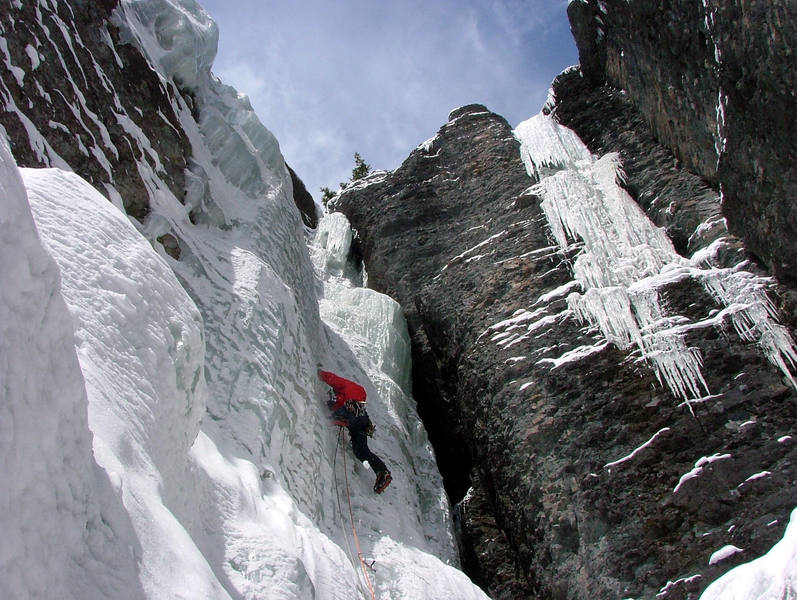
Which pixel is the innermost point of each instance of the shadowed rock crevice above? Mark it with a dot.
(303, 200)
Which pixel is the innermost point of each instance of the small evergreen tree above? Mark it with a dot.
(361, 168)
(326, 195)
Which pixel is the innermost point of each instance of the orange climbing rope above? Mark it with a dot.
(363, 565)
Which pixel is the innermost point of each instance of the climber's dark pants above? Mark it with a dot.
(359, 443)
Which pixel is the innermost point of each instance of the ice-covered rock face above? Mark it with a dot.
(378, 353)
(179, 35)
(240, 500)
(331, 247)
(241, 147)
(715, 80)
(624, 260)
(180, 39)
(141, 353)
(135, 323)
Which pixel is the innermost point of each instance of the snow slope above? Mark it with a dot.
(214, 471)
(65, 532)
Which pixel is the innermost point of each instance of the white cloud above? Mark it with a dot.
(473, 34)
(243, 78)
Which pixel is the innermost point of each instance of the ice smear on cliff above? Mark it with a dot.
(379, 353)
(624, 261)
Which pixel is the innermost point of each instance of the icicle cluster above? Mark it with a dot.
(625, 260)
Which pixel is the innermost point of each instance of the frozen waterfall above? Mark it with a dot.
(624, 261)
(184, 424)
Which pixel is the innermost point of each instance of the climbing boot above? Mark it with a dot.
(383, 480)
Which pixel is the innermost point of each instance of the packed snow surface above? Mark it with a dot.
(164, 432)
(65, 532)
(770, 577)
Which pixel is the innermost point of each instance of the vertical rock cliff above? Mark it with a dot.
(715, 81)
(600, 363)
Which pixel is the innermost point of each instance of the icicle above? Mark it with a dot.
(757, 319)
(624, 260)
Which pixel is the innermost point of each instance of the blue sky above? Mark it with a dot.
(331, 78)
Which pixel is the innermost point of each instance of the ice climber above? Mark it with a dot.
(348, 410)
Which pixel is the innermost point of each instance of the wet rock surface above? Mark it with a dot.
(303, 200)
(715, 81)
(576, 464)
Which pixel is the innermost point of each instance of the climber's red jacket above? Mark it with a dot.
(344, 389)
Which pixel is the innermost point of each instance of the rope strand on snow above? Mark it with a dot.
(363, 564)
(337, 493)
(340, 510)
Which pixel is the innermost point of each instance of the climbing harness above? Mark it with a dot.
(363, 563)
(356, 408)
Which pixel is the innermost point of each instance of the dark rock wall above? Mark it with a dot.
(303, 200)
(758, 169)
(454, 237)
(412, 224)
(715, 80)
(662, 55)
(80, 86)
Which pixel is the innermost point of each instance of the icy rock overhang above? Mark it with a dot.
(180, 40)
(178, 35)
(623, 262)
